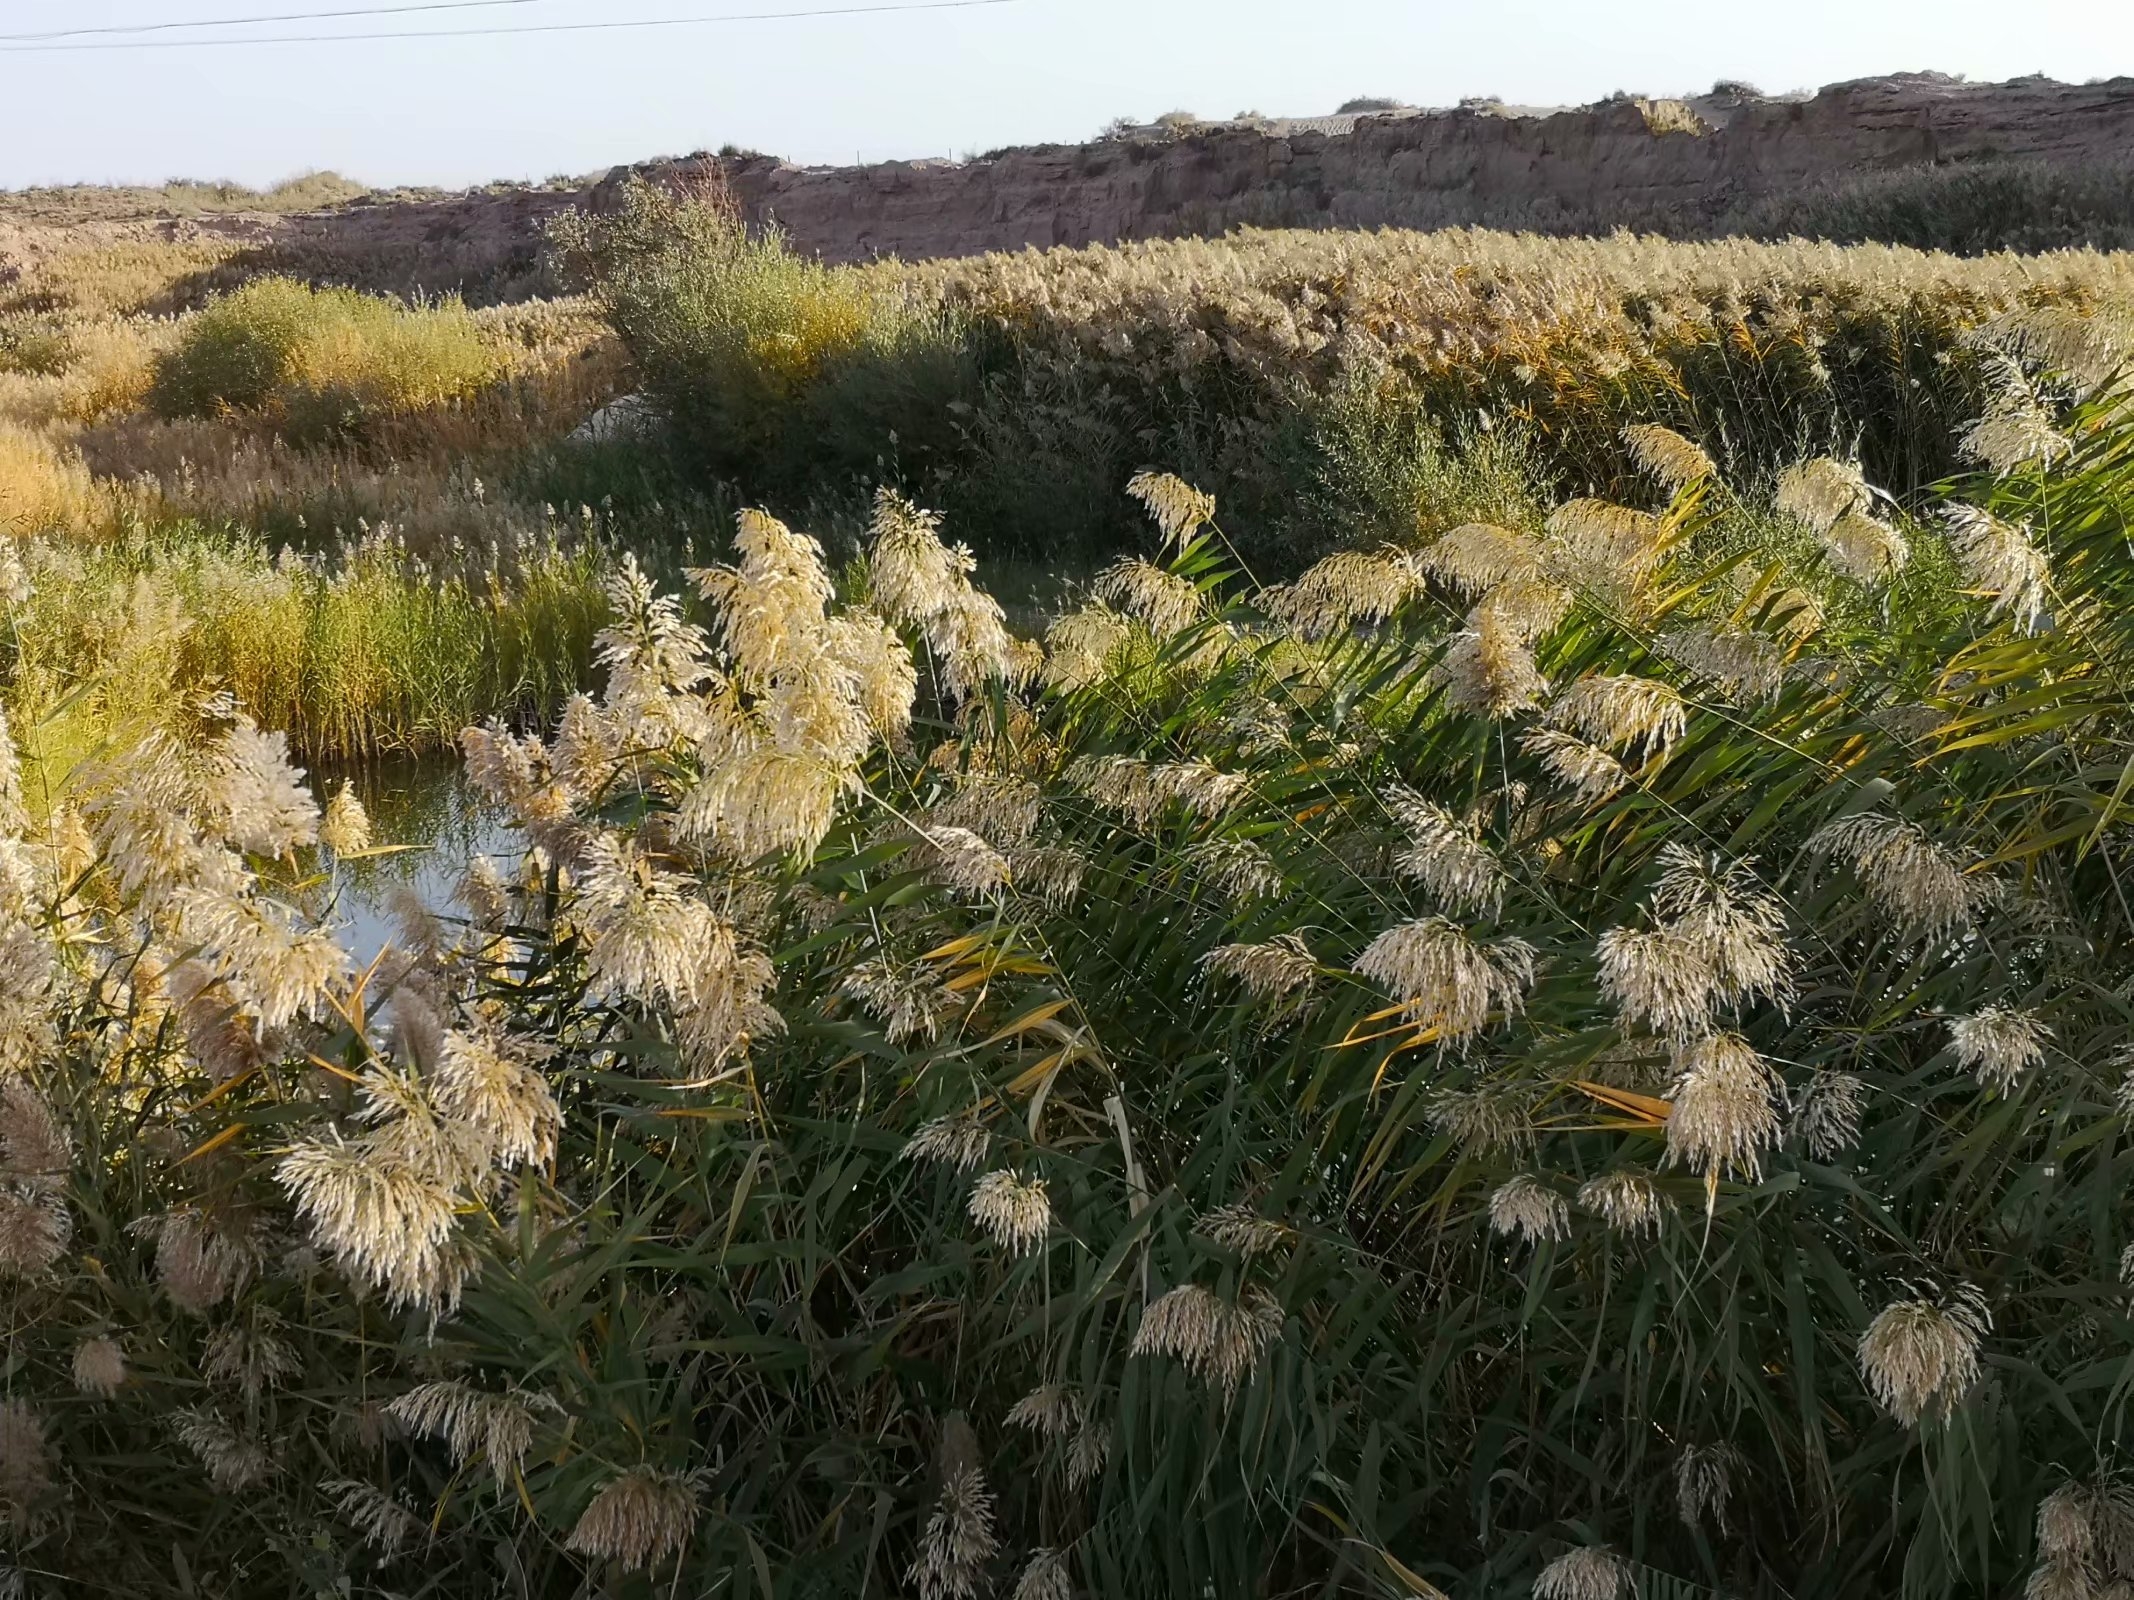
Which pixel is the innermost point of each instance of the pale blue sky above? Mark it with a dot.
(926, 83)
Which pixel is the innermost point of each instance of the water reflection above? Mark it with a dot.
(424, 803)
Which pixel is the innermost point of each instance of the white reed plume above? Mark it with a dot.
(100, 1366)
(962, 860)
(883, 679)
(1628, 1202)
(1820, 491)
(1054, 1410)
(2001, 560)
(767, 801)
(1865, 550)
(1704, 1482)
(1826, 1114)
(273, 964)
(1738, 925)
(1165, 602)
(1346, 587)
(1724, 1116)
(725, 1009)
(1448, 980)
(638, 1519)
(1745, 668)
(1605, 547)
(491, 1082)
(1525, 1206)
(1487, 670)
(1217, 1341)
(1920, 884)
(1051, 873)
(1272, 970)
(474, 1424)
(1670, 460)
(959, 1143)
(642, 924)
(345, 829)
(199, 1263)
(909, 1002)
(1920, 1356)
(1446, 854)
(1001, 808)
(1490, 1116)
(260, 800)
(958, 1539)
(1622, 712)
(1591, 1572)
(1045, 1578)
(1179, 509)
(1238, 1227)
(380, 1216)
(234, 1459)
(1238, 869)
(380, 1521)
(1662, 978)
(249, 1356)
(774, 600)
(1082, 646)
(1014, 1210)
(1477, 557)
(2000, 1044)
(912, 575)
(25, 1461)
(1588, 771)
(35, 1227)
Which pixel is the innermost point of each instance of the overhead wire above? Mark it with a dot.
(248, 22)
(606, 25)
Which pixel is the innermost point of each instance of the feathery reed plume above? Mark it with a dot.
(25, 1461)
(1238, 1227)
(1704, 1482)
(249, 1356)
(638, 1518)
(959, 1143)
(1089, 1454)
(1052, 1409)
(1591, 1572)
(1623, 712)
(1920, 1356)
(234, 1460)
(1724, 1118)
(1239, 869)
(1051, 873)
(1609, 549)
(1826, 1115)
(35, 1227)
(1663, 978)
(1821, 491)
(1628, 1202)
(1346, 587)
(345, 829)
(1921, 885)
(1487, 670)
(1670, 460)
(963, 861)
(99, 1367)
(1525, 1206)
(1446, 854)
(2000, 1044)
(1000, 808)
(1165, 602)
(2001, 560)
(473, 1423)
(1588, 771)
(912, 575)
(1745, 668)
(490, 1083)
(1448, 980)
(1217, 1341)
(274, 966)
(2017, 430)
(1485, 1118)
(1735, 923)
(1015, 1211)
(910, 1003)
(380, 1521)
(1477, 557)
(1270, 971)
(198, 1264)
(1179, 509)
(1045, 1578)
(958, 1540)
(260, 800)
(1081, 647)
(381, 1216)
(1865, 550)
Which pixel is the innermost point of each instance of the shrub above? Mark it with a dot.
(324, 361)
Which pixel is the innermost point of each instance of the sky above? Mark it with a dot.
(948, 82)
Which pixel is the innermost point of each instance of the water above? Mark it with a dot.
(423, 803)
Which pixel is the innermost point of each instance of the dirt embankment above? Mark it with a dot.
(1669, 166)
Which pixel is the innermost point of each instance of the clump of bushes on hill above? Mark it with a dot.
(323, 363)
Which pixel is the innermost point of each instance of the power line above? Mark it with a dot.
(246, 22)
(488, 33)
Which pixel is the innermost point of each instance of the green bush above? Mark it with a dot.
(322, 362)
(768, 366)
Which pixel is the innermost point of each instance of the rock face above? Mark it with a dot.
(1627, 163)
